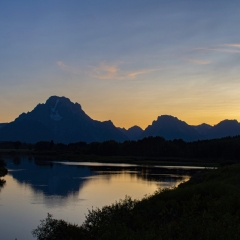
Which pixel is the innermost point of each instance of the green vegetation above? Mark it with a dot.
(206, 207)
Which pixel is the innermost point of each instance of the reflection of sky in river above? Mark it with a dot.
(67, 191)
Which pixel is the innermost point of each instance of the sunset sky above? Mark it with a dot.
(127, 61)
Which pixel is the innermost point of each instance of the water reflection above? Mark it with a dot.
(48, 178)
(62, 179)
(67, 190)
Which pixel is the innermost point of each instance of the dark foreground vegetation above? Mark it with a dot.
(206, 207)
(151, 149)
(3, 172)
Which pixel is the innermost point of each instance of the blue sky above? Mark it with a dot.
(128, 61)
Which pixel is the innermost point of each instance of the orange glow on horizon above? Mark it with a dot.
(143, 119)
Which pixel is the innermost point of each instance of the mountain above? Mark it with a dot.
(202, 129)
(224, 129)
(171, 128)
(133, 133)
(2, 125)
(59, 120)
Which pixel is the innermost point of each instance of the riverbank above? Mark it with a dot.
(151, 150)
(75, 157)
(206, 207)
(163, 161)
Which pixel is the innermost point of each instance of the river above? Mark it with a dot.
(68, 190)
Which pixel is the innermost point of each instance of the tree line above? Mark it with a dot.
(157, 147)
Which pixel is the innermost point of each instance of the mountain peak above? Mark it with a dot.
(135, 128)
(167, 117)
(228, 122)
(167, 120)
(54, 100)
(60, 120)
(133, 133)
(171, 128)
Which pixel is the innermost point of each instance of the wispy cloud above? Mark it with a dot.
(197, 61)
(235, 45)
(114, 72)
(68, 68)
(227, 48)
(106, 71)
(134, 74)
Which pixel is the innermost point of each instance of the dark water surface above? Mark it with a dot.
(68, 189)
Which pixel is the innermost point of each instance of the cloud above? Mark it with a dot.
(224, 48)
(134, 74)
(104, 71)
(235, 45)
(113, 72)
(197, 61)
(68, 68)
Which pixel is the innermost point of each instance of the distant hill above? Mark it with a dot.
(224, 129)
(62, 121)
(171, 128)
(202, 129)
(133, 133)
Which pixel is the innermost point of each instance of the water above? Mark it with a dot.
(67, 190)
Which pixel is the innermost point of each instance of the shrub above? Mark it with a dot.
(53, 229)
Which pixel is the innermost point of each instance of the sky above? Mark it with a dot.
(125, 61)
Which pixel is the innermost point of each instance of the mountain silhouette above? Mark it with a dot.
(133, 133)
(224, 129)
(171, 128)
(202, 129)
(62, 121)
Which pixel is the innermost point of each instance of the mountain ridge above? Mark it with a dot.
(61, 120)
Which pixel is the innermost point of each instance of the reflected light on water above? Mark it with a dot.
(68, 190)
(107, 189)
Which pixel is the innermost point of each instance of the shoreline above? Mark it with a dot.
(68, 156)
